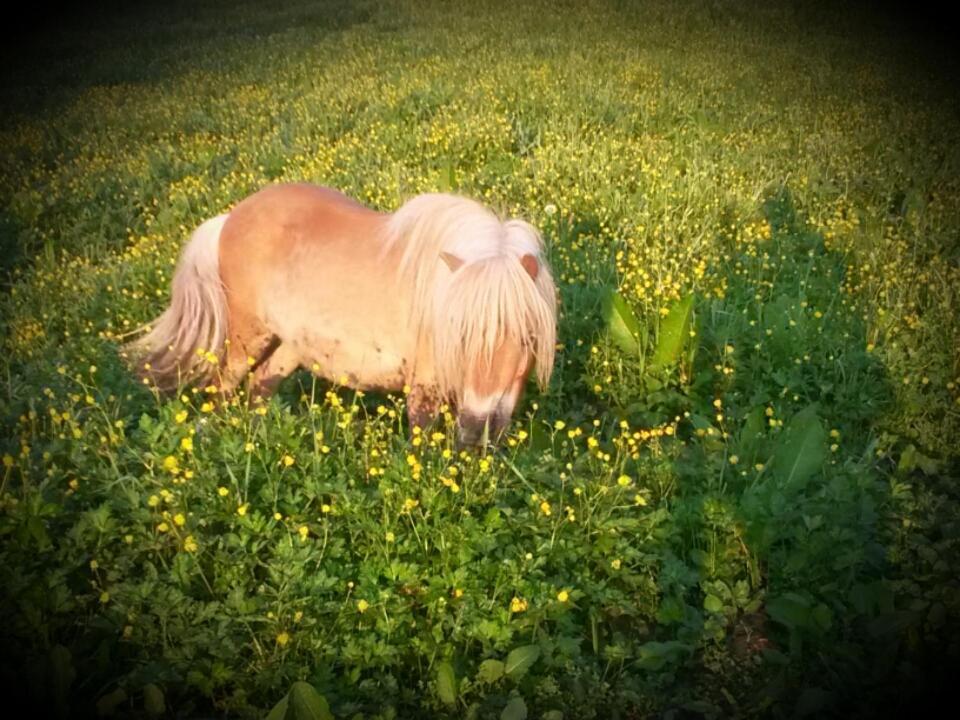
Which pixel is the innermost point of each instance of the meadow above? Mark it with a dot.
(737, 498)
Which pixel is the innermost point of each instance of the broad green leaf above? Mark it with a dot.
(822, 616)
(908, 459)
(655, 655)
(803, 448)
(307, 704)
(790, 610)
(108, 704)
(711, 603)
(516, 709)
(279, 711)
(674, 332)
(490, 671)
(446, 683)
(553, 715)
(622, 324)
(753, 428)
(520, 659)
(153, 701)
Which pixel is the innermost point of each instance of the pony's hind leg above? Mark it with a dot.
(249, 345)
(282, 361)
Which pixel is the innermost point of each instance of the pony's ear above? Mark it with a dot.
(531, 265)
(452, 261)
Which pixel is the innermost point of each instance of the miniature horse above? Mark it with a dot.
(440, 296)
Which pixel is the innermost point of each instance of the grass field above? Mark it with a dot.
(738, 497)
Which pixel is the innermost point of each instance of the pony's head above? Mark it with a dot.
(495, 324)
(487, 302)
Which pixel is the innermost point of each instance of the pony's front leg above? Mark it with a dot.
(423, 405)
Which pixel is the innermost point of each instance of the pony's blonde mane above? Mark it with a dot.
(489, 298)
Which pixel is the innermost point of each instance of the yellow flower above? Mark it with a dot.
(734, 459)
(545, 508)
(283, 638)
(409, 504)
(325, 508)
(304, 531)
(390, 537)
(189, 544)
(362, 606)
(518, 605)
(181, 416)
(563, 596)
(248, 447)
(615, 564)
(242, 510)
(170, 464)
(623, 480)
(179, 519)
(288, 460)
(104, 597)
(163, 527)
(222, 491)
(559, 425)
(206, 407)
(187, 444)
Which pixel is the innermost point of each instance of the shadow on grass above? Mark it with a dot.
(46, 64)
(783, 511)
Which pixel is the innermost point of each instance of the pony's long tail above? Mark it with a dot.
(185, 342)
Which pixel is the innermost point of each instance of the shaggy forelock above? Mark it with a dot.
(490, 298)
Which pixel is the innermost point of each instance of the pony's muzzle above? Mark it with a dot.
(477, 430)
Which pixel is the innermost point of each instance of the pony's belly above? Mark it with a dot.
(359, 364)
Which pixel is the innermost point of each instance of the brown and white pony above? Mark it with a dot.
(441, 296)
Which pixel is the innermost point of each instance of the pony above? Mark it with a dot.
(441, 298)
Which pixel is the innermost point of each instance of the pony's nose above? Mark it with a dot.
(474, 430)
(471, 430)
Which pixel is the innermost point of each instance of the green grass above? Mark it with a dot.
(738, 496)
